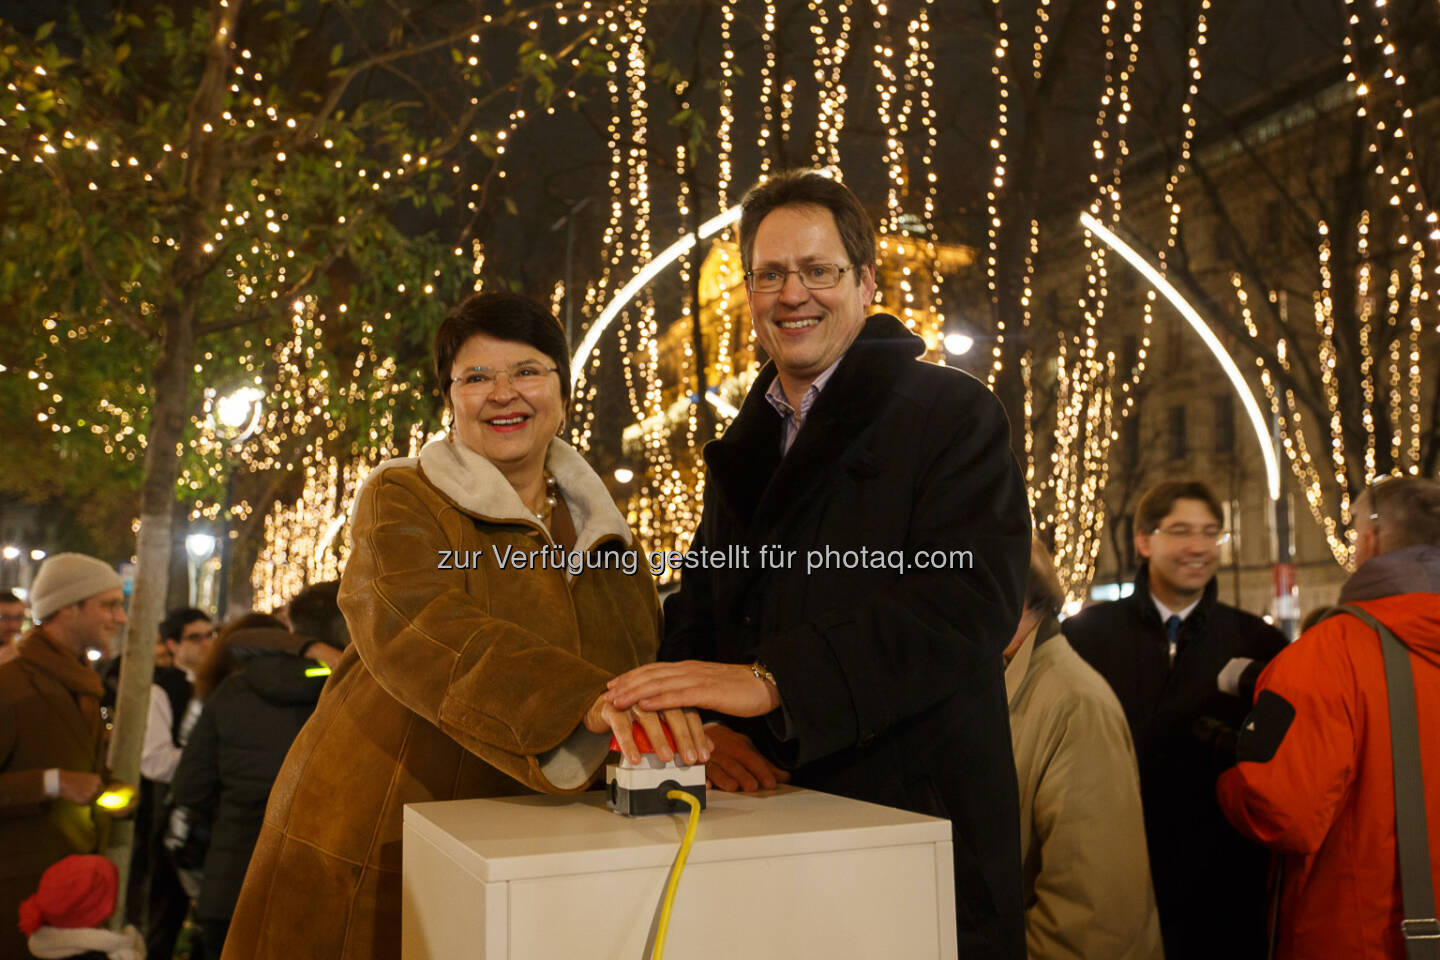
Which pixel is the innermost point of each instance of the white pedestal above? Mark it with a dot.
(782, 874)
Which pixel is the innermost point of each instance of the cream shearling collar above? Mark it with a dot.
(479, 488)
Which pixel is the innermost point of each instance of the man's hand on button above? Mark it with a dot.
(735, 764)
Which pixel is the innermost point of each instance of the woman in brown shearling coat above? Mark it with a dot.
(467, 675)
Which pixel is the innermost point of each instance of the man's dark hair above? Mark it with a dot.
(1160, 499)
(504, 316)
(1407, 511)
(315, 614)
(809, 188)
(8, 596)
(178, 619)
(1043, 593)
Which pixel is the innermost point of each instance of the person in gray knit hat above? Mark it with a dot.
(51, 736)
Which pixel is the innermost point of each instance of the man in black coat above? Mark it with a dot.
(1184, 667)
(882, 532)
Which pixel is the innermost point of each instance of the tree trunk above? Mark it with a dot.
(152, 571)
(170, 406)
(178, 592)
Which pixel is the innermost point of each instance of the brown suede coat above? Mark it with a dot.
(458, 683)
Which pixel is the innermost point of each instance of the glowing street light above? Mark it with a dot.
(200, 545)
(958, 344)
(240, 412)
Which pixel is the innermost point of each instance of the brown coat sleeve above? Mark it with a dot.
(18, 788)
(498, 689)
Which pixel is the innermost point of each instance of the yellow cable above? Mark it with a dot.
(664, 925)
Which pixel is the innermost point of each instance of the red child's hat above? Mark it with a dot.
(78, 891)
(642, 742)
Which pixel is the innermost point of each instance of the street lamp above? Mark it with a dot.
(958, 344)
(199, 547)
(239, 412)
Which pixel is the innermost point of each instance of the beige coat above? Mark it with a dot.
(458, 683)
(1082, 833)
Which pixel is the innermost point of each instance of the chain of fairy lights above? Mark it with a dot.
(611, 240)
(922, 68)
(1084, 429)
(1131, 379)
(727, 104)
(890, 116)
(1027, 281)
(767, 89)
(997, 183)
(830, 55)
(1383, 100)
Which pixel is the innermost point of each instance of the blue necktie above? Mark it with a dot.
(1172, 630)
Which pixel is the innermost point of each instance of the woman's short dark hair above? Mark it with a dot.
(809, 188)
(504, 316)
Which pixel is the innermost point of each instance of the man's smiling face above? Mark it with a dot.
(805, 331)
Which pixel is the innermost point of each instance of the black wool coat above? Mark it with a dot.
(1210, 883)
(231, 760)
(892, 681)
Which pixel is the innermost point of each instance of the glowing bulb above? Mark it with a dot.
(958, 344)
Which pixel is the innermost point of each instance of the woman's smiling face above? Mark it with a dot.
(507, 402)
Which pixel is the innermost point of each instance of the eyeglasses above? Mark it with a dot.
(527, 377)
(197, 637)
(815, 276)
(1208, 534)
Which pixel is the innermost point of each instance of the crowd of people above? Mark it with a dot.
(1157, 776)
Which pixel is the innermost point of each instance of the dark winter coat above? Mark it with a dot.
(1210, 883)
(892, 682)
(231, 760)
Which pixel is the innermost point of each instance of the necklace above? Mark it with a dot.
(547, 506)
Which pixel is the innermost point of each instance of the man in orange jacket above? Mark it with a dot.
(1314, 777)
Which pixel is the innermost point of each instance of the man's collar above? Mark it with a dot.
(1145, 602)
(776, 392)
(1166, 613)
